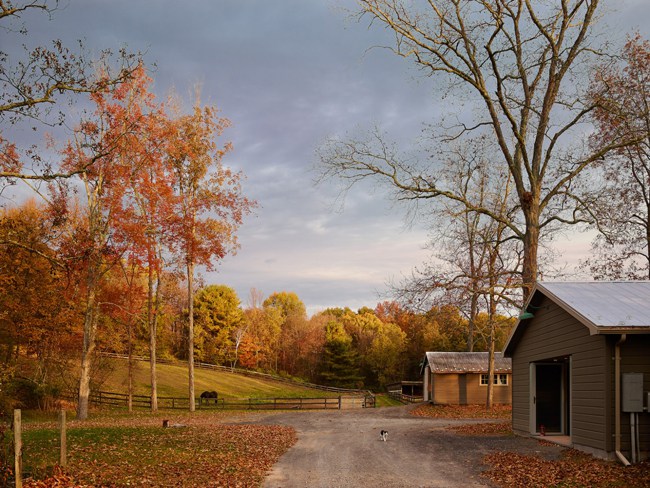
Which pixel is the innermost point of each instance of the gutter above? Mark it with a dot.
(617, 394)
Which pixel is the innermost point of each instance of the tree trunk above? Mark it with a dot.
(190, 332)
(90, 329)
(152, 339)
(130, 366)
(531, 245)
(490, 387)
(473, 312)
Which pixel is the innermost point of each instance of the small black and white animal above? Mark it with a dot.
(383, 435)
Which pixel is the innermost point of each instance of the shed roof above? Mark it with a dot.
(604, 307)
(604, 304)
(466, 362)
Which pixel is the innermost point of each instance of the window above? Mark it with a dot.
(497, 379)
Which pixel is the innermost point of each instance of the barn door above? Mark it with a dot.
(549, 397)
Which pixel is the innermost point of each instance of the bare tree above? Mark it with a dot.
(521, 63)
(478, 263)
(621, 249)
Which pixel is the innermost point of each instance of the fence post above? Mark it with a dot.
(64, 439)
(18, 448)
(339, 402)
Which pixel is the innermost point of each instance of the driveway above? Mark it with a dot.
(343, 449)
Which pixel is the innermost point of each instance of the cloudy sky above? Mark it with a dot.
(289, 74)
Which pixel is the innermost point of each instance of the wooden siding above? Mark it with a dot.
(445, 389)
(553, 333)
(635, 358)
(466, 389)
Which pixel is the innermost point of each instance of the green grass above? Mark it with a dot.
(173, 382)
(125, 450)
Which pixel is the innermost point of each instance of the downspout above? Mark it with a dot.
(617, 394)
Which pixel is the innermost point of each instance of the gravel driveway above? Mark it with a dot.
(343, 449)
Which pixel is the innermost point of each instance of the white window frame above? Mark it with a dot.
(499, 379)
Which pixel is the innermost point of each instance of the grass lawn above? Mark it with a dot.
(120, 450)
(172, 382)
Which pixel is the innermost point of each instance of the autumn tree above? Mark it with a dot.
(622, 213)
(210, 204)
(293, 328)
(378, 346)
(150, 197)
(264, 325)
(520, 64)
(96, 156)
(218, 315)
(421, 335)
(37, 314)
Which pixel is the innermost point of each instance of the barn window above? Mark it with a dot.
(497, 379)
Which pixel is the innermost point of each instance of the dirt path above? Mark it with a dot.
(343, 449)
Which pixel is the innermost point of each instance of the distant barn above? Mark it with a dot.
(461, 378)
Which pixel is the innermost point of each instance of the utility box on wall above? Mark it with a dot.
(632, 392)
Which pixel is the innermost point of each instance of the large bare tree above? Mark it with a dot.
(522, 64)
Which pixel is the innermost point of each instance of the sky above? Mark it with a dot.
(289, 74)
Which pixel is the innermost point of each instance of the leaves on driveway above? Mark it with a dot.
(574, 469)
(462, 411)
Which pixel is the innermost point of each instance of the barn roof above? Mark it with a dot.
(466, 362)
(604, 307)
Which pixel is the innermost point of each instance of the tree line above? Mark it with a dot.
(44, 319)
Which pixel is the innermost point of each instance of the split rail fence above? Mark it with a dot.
(165, 402)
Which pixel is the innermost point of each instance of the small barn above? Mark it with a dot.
(581, 366)
(461, 378)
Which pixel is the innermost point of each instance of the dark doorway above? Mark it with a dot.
(550, 400)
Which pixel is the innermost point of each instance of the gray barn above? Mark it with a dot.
(581, 366)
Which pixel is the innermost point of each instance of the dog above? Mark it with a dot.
(383, 435)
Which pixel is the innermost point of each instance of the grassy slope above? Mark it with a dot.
(172, 381)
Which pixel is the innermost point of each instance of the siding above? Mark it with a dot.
(554, 333)
(466, 389)
(635, 358)
(445, 389)
(477, 394)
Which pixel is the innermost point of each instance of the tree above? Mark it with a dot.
(210, 204)
(105, 236)
(519, 62)
(150, 193)
(31, 87)
(339, 366)
(263, 334)
(293, 328)
(622, 215)
(217, 316)
(37, 314)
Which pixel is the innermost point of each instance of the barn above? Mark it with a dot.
(581, 367)
(461, 378)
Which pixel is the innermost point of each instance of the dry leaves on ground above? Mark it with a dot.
(462, 411)
(203, 455)
(493, 428)
(575, 469)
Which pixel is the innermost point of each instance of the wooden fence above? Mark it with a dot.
(325, 403)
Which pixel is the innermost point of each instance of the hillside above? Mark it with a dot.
(172, 381)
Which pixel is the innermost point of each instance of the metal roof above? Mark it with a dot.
(466, 362)
(607, 306)
(604, 307)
